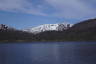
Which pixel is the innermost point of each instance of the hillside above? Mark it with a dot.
(85, 30)
(8, 34)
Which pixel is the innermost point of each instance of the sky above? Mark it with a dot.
(30, 13)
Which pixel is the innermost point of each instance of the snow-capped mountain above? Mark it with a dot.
(48, 27)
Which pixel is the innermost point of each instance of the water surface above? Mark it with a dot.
(48, 53)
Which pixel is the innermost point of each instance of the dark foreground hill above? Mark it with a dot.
(82, 31)
(10, 35)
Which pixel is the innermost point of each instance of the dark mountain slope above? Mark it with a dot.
(85, 31)
(88, 24)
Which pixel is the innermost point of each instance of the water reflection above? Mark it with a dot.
(48, 53)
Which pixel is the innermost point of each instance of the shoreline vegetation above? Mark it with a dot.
(24, 41)
(83, 31)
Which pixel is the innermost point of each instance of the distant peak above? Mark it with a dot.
(48, 27)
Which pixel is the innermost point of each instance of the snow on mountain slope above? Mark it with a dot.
(47, 27)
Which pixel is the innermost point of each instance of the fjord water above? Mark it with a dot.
(48, 53)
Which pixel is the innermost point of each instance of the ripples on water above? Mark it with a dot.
(48, 53)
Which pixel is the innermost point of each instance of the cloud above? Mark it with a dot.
(72, 8)
(55, 8)
(24, 6)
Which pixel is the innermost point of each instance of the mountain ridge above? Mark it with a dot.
(82, 31)
(48, 27)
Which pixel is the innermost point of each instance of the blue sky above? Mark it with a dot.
(26, 13)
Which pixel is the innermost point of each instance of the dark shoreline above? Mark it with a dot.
(24, 41)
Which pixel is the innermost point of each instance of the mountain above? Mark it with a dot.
(48, 27)
(82, 31)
